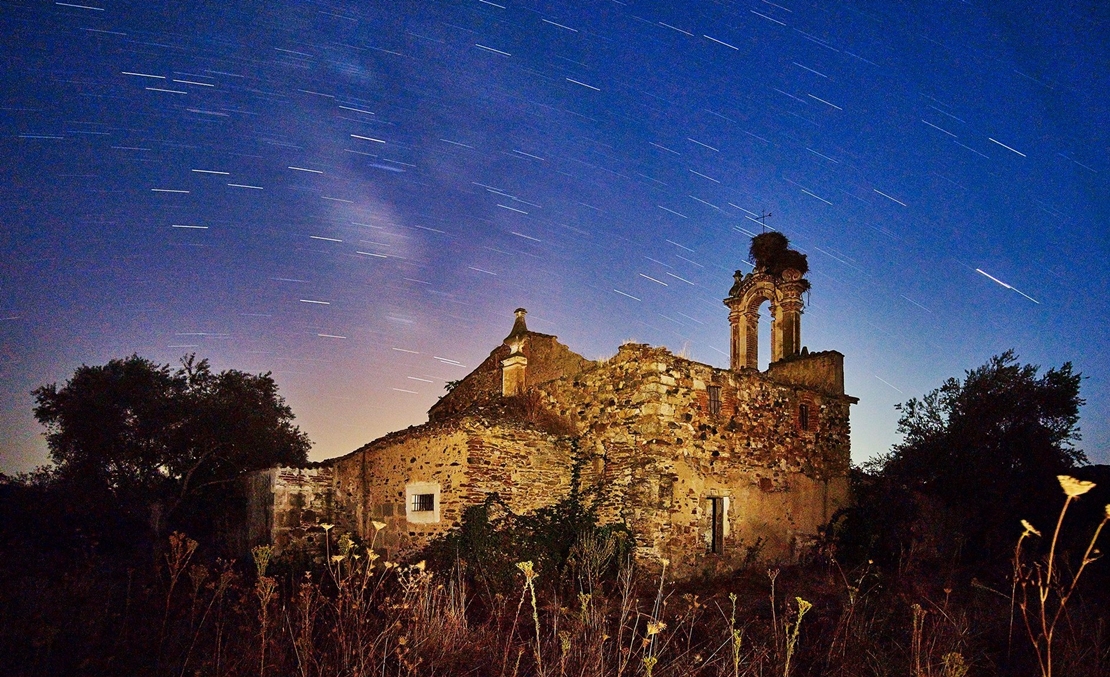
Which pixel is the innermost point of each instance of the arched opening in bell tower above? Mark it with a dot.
(764, 330)
(765, 317)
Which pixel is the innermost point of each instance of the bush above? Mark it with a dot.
(563, 541)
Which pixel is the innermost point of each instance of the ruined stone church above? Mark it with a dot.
(706, 466)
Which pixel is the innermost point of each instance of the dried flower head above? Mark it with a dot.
(419, 566)
(1029, 529)
(526, 567)
(338, 558)
(327, 527)
(1073, 487)
(1108, 511)
(262, 555)
(655, 627)
(378, 526)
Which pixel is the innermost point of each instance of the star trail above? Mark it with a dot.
(355, 196)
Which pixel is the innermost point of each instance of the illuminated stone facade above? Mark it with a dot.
(708, 467)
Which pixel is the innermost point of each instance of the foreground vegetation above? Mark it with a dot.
(971, 549)
(594, 613)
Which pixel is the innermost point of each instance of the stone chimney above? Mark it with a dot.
(513, 368)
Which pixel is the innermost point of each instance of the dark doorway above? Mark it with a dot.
(717, 513)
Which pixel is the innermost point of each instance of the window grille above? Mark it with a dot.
(423, 502)
(803, 416)
(714, 400)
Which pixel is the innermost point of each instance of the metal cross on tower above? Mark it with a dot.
(763, 220)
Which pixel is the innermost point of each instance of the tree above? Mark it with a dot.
(976, 457)
(152, 441)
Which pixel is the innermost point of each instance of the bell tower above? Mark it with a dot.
(778, 279)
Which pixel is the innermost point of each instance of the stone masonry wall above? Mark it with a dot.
(528, 468)
(822, 371)
(547, 360)
(255, 525)
(465, 459)
(371, 483)
(659, 455)
(302, 500)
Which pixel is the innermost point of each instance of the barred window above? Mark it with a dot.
(714, 399)
(803, 416)
(423, 502)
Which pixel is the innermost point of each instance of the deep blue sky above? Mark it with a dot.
(356, 196)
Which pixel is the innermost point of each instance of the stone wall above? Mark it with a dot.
(654, 450)
(547, 360)
(371, 484)
(302, 500)
(460, 461)
(822, 371)
(660, 455)
(252, 522)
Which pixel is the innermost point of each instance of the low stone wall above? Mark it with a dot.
(303, 499)
(371, 484)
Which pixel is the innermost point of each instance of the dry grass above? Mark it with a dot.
(360, 616)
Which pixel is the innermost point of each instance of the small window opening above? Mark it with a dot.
(803, 416)
(717, 511)
(714, 400)
(423, 502)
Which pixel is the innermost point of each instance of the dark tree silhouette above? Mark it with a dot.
(977, 456)
(155, 444)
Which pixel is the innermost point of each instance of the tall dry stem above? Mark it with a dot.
(1052, 592)
(915, 638)
(265, 587)
(773, 575)
(177, 558)
(736, 636)
(655, 624)
(529, 578)
(792, 634)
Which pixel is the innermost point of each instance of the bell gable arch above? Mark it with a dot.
(784, 293)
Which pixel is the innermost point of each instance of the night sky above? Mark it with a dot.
(355, 196)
